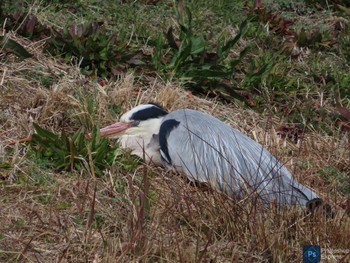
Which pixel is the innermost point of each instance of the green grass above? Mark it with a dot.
(271, 64)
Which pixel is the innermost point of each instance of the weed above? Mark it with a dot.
(344, 42)
(70, 152)
(336, 178)
(99, 50)
(188, 57)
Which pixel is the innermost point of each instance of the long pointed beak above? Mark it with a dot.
(115, 129)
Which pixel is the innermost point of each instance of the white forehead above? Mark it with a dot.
(127, 116)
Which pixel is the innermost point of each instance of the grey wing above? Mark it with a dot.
(207, 150)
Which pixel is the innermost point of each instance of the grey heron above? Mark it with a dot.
(207, 150)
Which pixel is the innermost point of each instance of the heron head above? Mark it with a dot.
(143, 119)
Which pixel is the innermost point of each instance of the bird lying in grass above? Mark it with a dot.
(206, 150)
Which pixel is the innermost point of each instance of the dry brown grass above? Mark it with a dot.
(57, 217)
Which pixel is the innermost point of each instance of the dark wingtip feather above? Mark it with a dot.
(316, 205)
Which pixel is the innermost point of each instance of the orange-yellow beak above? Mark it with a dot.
(114, 130)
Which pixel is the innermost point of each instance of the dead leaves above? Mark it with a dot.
(343, 123)
(290, 131)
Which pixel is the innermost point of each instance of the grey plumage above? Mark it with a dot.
(207, 150)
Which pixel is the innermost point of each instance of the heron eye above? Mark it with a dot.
(135, 123)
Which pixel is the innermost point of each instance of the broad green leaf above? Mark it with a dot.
(78, 138)
(243, 26)
(103, 54)
(242, 54)
(184, 32)
(228, 92)
(95, 137)
(183, 54)
(198, 45)
(12, 46)
(171, 39)
(233, 41)
(66, 141)
(189, 16)
(219, 48)
(45, 133)
(206, 74)
(260, 73)
(230, 43)
(102, 150)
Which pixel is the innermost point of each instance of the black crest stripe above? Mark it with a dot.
(164, 131)
(148, 113)
(156, 104)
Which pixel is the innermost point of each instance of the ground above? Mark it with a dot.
(129, 211)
